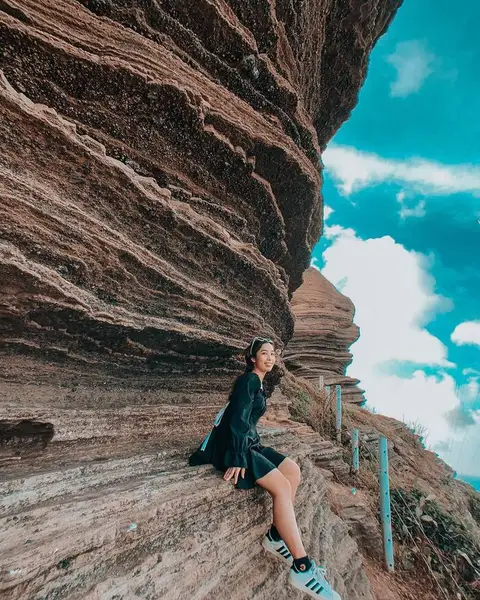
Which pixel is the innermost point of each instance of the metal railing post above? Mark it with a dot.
(338, 390)
(385, 503)
(355, 451)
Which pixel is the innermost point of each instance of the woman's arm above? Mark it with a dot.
(241, 402)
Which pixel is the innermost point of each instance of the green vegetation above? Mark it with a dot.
(300, 409)
(430, 539)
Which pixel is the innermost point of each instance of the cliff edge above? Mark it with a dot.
(160, 182)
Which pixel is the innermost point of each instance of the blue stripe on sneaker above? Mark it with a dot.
(320, 590)
(310, 582)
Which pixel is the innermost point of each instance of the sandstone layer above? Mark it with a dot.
(163, 203)
(159, 201)
(324, 331)
(148, 526)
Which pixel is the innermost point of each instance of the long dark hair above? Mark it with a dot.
(252, 350)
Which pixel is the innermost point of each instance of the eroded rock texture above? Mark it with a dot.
(217, 111)
(159, 200)
(148, 526)
(324, 331)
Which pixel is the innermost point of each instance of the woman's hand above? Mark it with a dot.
(234, 472)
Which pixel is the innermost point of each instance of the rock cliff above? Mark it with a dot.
(163, 202)
(159, 186)
(324, 331)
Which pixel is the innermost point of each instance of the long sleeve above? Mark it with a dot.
(241, 402)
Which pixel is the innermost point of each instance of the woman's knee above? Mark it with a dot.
(297, 473)
(283, 486)
(291, 471)
(276, 483)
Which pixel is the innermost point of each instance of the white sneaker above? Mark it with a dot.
(313, 583)
(279, 549)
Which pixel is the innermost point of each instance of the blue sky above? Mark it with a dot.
(402, 228)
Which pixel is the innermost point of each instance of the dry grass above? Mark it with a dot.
(412, 469)
(310, 405)
(417, 472)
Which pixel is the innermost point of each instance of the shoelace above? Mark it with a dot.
(322, 571)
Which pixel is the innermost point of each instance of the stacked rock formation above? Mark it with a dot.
(148, 526)
(159, 198)
(160, 207)
(324, 331)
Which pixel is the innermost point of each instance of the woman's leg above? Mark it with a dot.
(278, 486)
(291, 471)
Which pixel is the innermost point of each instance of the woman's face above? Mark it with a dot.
(265, 358)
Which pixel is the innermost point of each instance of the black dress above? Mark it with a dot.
(234, 442)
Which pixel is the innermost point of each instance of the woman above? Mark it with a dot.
(233, 446)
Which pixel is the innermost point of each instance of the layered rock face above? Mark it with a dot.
(161, 208)
(147, 526)
(159, 200)
(324, 331)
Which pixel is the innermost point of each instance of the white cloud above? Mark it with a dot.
(466, 333)
(406, 211)
(462, 448)
(353, 170)
(470, 371)
(416, 211)
(462, 452)
(470, 392)
(413, 64)
(332, 231)
(418, 398)
(393, 293)
(327, 212)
